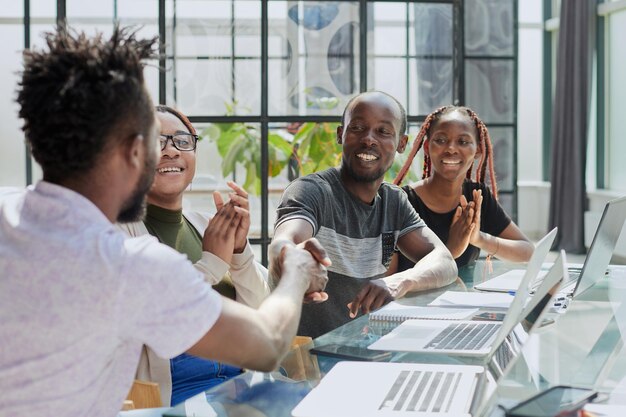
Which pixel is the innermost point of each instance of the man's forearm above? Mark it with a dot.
(435, 270)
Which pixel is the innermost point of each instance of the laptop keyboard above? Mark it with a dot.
(464, 336)
(417, 391)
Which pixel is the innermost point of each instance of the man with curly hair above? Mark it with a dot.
(78, 300)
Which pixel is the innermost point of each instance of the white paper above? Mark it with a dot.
(473, 299)
(198, 406)
(606, 410)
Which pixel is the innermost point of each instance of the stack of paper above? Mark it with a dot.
(473, 299)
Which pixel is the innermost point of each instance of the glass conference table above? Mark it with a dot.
(582, 347)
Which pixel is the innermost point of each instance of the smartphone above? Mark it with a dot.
(489, 316)
(553, 401)
(350, 352)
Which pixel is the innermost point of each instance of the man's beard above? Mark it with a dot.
(370, 177)
(135, 207)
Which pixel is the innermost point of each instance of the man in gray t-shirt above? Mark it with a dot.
(360, 220)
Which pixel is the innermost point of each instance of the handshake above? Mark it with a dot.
(305, 261)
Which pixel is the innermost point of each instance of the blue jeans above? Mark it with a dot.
(192, 375)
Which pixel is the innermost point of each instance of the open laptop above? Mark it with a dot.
(467, 337)
(412, 389)
(596, 262)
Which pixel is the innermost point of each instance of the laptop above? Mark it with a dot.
(410, 389)
(467, 337)
(595, 265)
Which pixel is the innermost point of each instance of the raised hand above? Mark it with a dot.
(219, 236)
(461, 227)
(475, 234)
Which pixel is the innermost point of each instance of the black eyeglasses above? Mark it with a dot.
(181, 141)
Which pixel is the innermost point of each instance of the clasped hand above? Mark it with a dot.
(306, 259)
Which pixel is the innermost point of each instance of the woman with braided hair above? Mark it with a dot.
(453, 198)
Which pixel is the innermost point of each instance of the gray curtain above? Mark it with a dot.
(570, 122)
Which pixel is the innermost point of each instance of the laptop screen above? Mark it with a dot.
(604, 241)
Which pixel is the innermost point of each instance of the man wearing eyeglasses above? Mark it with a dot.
(79, 300)
(218, 248)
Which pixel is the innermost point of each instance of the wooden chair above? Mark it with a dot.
(144, 394)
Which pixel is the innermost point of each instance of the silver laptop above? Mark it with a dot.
(467, 337)
(596, 263)
(412, 389)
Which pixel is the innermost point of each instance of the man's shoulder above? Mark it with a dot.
(145, 254)
(392, 193)
(10, 194)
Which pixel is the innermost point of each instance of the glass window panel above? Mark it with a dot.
(12, 157)
(37, 32)
(617, 101)
(87, 26)
(80, 8)
(489, 28)
(431, 84)
(506, 201)
(214, 9)
(389, 11)
(203, 37)
(151, 77)
(210, 167)
(432, 29)
(141, 9)
(203, 87)
(390, 76)
(43, 8)
(319, 67)
(248, 86)
(207, 87)
(389, 38)
(13, 9)
(248, 9)
(247, 44)
(503, 157)
(489, 89)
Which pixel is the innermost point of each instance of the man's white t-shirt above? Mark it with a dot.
(78, 300)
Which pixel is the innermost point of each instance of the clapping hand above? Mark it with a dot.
(219, 236)
(238, 198)
(465, 224)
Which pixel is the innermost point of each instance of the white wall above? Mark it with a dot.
(533, 194)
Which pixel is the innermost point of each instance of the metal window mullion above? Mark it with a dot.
(162, 61)
(363, 45)
(547, 92)
(61, 13)
(601, 114)
(515, 92)
(458, 44)
(29, 160)
(264, 132)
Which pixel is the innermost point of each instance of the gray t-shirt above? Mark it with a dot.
(359, 238)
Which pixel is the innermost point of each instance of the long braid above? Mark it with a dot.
(486, 158)
(417, 145)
